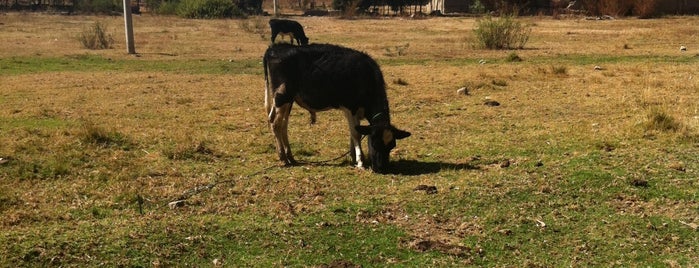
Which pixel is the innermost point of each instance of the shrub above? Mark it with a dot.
(397, 50)
(477, 7)
(347, 7)
(499, 82)
(513, 57)
(615, 7)
(166, 8)
(501, 33)
(254, 26)
(97, 135)
(660, 120)
(208, 9)
(350, 7)
(608, 7)
(96, 37)
(559, 70)
(98, 6)
(645, 9)
(190, 150)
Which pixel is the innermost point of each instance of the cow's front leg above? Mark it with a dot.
(355, 143)
(274, 35)
(356, 151)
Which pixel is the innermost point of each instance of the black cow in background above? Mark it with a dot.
(288, 27)
(320, 77)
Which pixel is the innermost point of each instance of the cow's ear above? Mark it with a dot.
(400, 134)
(364, 130)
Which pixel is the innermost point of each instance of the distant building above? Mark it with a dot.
(668, 7)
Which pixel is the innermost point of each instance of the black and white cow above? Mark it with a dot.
(288, 27)
(321, 77)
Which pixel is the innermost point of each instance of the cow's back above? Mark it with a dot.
(326, 76)
(285, 26)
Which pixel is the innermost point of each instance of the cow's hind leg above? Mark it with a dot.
(280, 126)
(269, 102)
(355, 144)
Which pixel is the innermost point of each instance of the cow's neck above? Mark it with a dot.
(380, 118)
(379, 113)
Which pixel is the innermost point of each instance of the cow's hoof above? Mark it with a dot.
(289, 163)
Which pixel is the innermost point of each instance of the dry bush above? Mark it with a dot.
(258, 25)
(501, 33)
(616, 7)
(351, 11)
(96, 37)
(646, 8)
(608, 7)
(513, 57)
(98, 135)
(396, 50)
(190, 149)
(641, 8)
(659, 120)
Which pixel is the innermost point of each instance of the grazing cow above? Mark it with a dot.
(288, 27)
(320, 77)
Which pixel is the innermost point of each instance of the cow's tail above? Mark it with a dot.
(268, 101)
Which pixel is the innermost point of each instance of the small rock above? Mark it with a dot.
(683, 48)
(505, 163)
(463, 91)
(598, 68)
(176, 204)
(639, 183)
(427, 189)
(491, 103)
(505, 231)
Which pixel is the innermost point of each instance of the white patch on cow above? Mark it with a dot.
(355, 137)
(271, 115)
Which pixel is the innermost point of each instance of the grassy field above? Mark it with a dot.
(575, 167)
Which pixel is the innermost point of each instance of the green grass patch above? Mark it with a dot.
(238, 240)
(9, 123)
(84, 62)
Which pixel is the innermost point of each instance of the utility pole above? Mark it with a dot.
(129, 27)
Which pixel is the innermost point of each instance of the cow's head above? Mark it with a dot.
(381, 139)
(304, 40)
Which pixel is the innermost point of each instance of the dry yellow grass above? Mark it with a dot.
(577, 120)
(435, 37)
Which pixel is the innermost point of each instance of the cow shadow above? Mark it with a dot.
(414, 167)
(404, 167)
